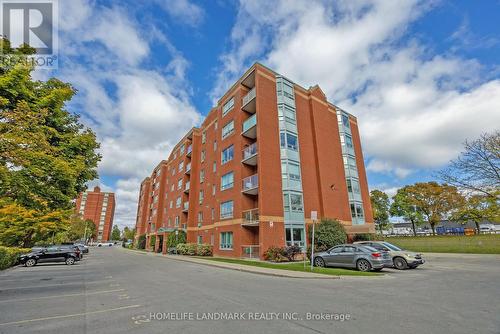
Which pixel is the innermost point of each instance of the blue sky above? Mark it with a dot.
(422, 76)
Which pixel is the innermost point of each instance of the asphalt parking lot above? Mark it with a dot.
(115, 291)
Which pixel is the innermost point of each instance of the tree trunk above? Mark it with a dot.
(413, 227)
(477, 228)
(433, 229)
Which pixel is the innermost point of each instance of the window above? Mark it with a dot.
(294, 236)
(215, 145)
(213, 189)
(228, 129)
(172, 187)
(353, 186)
(177, 221)
(200, 239)
(155, 199)
(226, 210)
(293, 202)
(227, 154)
(357, 210)
(227, 181)
(289, 141)
(216, 125)
(201, 196)
(179, 184)
(348, 141)
(290, 170)
(202, 175)
(178, 202)
(345, 121)
(203, 137)
(169, 222)
(228, 106)
(181, 166)
(226, 240)
(200, 217)
(214, 168)
(287, 113)
(203, 155)
(171, 204)
(213, 213)
(182, 149)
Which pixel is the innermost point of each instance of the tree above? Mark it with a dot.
(380, 207)
(128, 233)
(404, 206)
(328, 233)
(173, 240)
(436, 202)
(478, 208)
(78, 227)
(115, 233)
(46, 155)
(22, 227)
(477, 169)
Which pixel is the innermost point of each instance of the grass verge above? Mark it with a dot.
(474, 244)
(294, 266)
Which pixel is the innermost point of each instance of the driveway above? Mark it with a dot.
(117, 291)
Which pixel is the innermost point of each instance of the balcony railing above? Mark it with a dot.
(251, 217)
(188, 168)
(250, 185)
(250, 251)
(250, 154)
(189, 150)
(249, 127)
(185, 207)
(186, 187)
(249, 101)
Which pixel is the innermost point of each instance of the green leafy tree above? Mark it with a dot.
(46, 155)
(78, 226)
(128, 233)
(404, 206)
(380, 207)
(436, 202)
(478, 208)
(327, 233)
(115, 233)
(173, 240)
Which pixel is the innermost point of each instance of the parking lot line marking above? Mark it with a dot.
(42, 278)
(60, 284)
(61, 296)
(69, 315)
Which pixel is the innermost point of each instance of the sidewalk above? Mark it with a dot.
(240, 267)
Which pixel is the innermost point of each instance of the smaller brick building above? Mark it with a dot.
(99, 207)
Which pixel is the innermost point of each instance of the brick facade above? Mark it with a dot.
(99, 207)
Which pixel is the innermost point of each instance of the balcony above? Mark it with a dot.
(249, 80)
(189, 151)
(186, 187)
(250, 127)
(185, 207)
(188, 169)
(250, 185)
(250, 155)
(249, 102)
(251, 217)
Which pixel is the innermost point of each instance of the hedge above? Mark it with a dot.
(194, 249)
(9, 256)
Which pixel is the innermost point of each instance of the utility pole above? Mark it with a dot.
(314, 217)
(85, 234)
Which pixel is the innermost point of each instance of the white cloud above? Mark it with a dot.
(183, 11)
(414, 107)
(138, 114)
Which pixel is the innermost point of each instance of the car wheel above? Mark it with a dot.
(400, 263)
(363, 265)
(30, 263)
(319, 262)
(70, 261)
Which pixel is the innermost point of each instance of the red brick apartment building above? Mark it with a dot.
(248, 178)
(99, 207)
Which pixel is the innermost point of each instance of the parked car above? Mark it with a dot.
(363, 258)
(69, 255)
(83, 248)
(401, 259)
(107, 244)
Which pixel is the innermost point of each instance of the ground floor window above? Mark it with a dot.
(295, 236)
(226, 240)
(200, 239)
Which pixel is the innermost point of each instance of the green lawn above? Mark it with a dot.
(474, 244)
(295, 266)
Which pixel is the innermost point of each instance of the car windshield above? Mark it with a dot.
(392, 247)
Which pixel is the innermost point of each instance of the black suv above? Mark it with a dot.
(64, 253)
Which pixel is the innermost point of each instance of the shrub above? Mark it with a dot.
(328, 233)
(317, 249)
(204, 250)
(275, 254)
(181, 249)
(364, 237)
(152, 241)
(141, 242)
(173, 240)
(10, 255)
(292, 251)
(192, 249)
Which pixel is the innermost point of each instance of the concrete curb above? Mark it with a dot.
(242, 268)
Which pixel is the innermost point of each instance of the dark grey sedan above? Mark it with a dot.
(363, 258)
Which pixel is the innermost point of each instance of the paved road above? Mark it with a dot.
(115, 291)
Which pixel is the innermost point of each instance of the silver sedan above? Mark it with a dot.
(363, 258)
